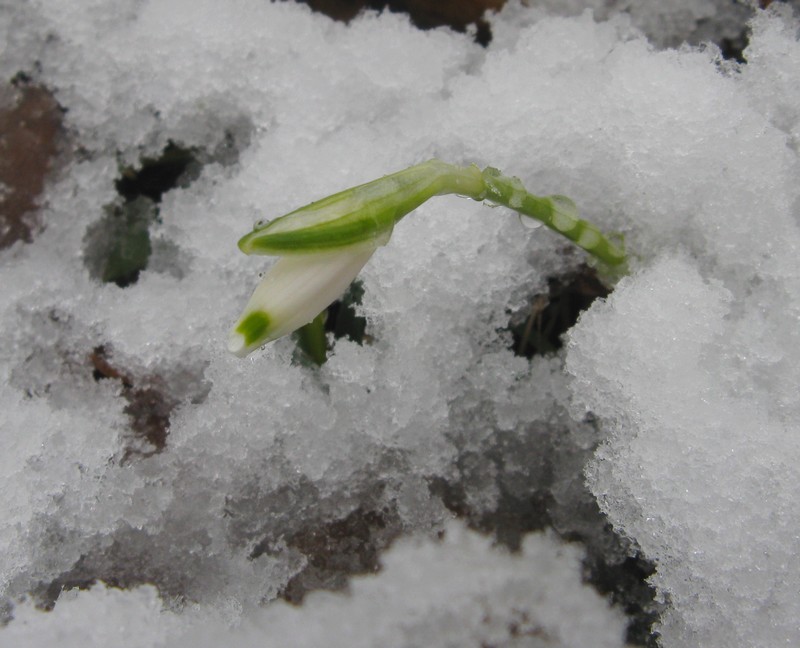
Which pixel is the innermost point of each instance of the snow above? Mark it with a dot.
(456, 592)
(675, 398)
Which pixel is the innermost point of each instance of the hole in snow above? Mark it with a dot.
(342, 321)
(425, 14)
(538, 330)
(732, 48)
(176, 166)
(118, 246)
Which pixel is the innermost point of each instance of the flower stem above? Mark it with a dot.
(313, 341)
(558, 213)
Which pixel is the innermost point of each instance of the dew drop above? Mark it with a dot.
(529, 223)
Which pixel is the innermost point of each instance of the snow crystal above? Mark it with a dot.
(135, 616)
(140, 454)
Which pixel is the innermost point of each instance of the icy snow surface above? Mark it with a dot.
(676, 398)
(493, 598)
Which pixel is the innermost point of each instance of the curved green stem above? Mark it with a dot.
(558, 213)
(368, 213)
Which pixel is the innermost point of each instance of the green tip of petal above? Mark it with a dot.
(249, 331)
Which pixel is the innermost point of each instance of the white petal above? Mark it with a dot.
(294, 291)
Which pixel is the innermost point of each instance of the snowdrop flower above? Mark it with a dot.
(324, 245)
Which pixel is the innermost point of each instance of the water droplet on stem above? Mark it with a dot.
(529, 223)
